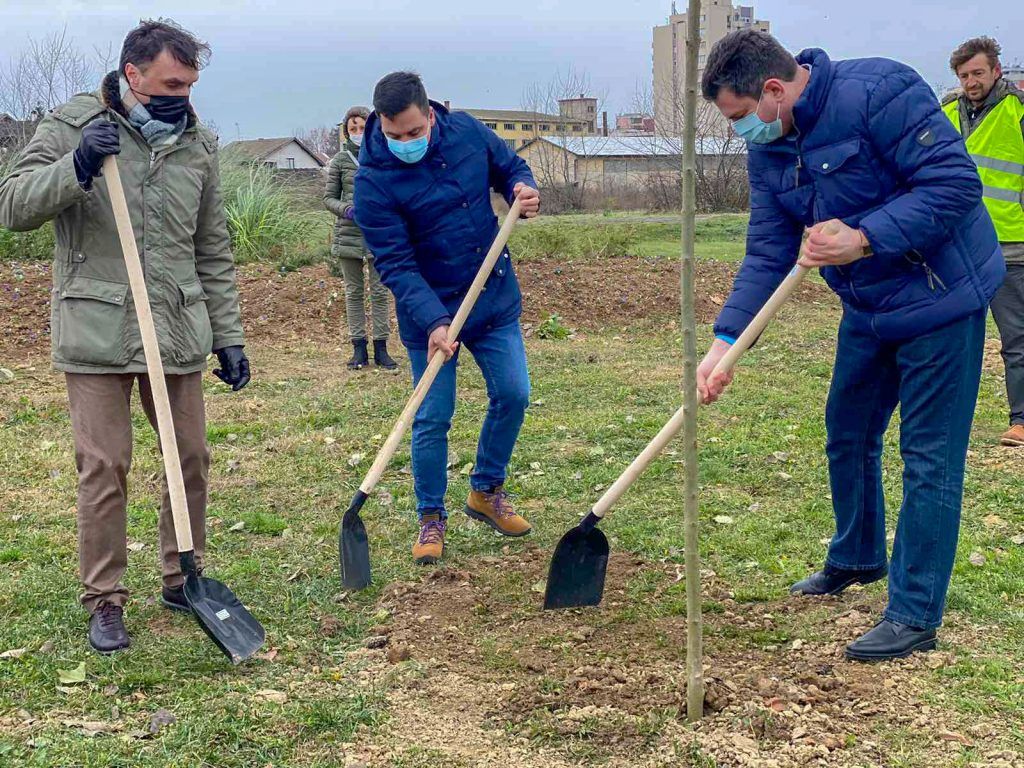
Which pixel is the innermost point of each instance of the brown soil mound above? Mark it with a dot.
(495, 675)
(309, 304)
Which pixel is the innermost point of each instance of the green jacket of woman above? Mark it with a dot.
(348, 240)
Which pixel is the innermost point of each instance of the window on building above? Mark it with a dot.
(527, 126)
(561, 128)
(576, 127)
(545, 127)
(290, 163)
(615, 165)
(492, 126)
(511, 144)
(590, 110)
(510, 126)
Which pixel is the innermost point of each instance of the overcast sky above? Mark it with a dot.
(280, 66)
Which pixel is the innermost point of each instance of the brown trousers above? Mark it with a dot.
(101, 421)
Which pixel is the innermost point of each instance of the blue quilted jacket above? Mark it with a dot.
(429, 225)
(872, 148)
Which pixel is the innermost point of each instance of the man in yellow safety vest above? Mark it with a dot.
(989, 113)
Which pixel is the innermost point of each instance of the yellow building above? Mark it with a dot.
(517, 128)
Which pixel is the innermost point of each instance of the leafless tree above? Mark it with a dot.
(561, 162)
(47, 72)
(324, 139)
(721, 179)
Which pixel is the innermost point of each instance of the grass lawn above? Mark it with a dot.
(478, 674)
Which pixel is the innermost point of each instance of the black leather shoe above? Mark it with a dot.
(106, 629)
(832, 581)
(174, 598)
(890, 640)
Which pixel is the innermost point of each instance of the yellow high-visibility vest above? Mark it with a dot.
(997, 148)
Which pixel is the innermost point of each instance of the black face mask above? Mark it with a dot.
(166, 109)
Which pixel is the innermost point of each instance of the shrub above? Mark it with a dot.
(552, 328)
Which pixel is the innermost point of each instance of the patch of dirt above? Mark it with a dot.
(500, 683)
(308, 304)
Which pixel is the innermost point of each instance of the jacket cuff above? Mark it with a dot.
(884, 234)
(227, 340)
(438, 323)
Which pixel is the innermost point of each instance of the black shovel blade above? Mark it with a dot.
(576, 576)
(354, 547)
(223, 617)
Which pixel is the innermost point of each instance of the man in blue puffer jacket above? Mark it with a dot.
(423, 203)
(862, 144)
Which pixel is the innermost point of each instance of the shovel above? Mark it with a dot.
(353, 544)
(576, 575)
(221, 615)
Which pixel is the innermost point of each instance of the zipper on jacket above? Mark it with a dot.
(799, 165)
(933, 278)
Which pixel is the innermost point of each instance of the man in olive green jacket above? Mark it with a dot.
(168, 164)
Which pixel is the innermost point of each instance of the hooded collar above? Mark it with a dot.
(375, 152)
(811, 104)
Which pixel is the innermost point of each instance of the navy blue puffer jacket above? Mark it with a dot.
(871, 148)
(429, 224)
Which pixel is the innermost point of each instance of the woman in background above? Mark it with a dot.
(349, 253)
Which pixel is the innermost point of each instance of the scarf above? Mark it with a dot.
(157, 134)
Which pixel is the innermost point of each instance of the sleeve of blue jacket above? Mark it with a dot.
(773, 243)
(387, 238)
(909, 131)
(507, 168)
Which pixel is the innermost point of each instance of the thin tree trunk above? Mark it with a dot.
(694, 621)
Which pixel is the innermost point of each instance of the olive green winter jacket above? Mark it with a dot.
(348, 240)
(178, 217)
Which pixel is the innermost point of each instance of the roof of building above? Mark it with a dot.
(638, 146)
(519, 115)
(261, 149)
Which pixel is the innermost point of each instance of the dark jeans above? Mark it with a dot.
(1008, 312)
(501, 357)
(934, 379)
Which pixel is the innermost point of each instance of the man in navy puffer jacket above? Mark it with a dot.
(423, 203)
(863, 144)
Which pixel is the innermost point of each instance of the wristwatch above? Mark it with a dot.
(865, 245)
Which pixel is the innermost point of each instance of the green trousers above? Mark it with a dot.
(355, 300)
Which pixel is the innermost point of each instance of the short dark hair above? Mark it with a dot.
(398, 91)
(146, 41)
(968, 50)
(742, 61)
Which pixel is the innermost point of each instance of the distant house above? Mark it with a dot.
(615, 161)
(15, 133)
(286, 154)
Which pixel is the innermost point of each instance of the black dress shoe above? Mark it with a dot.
(890, 640)
(106, 629)
(174, 598)
(832, 581)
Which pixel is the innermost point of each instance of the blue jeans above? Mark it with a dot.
(501, 357)
(934, 379)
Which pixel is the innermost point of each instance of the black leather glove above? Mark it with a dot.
(234, 367)
(99, 139)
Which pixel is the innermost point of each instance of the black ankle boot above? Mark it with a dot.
(381, 356)
(360, 359)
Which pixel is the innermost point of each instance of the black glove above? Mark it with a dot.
(234, 367)
(99, 139)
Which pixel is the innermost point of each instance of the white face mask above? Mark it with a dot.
(357, 139)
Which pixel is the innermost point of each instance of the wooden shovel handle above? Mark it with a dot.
(151, 348)
(726, 364)
(387, 451)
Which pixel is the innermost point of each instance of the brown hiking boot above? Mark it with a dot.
(429, 545)
(1013, 436)
(496, 510)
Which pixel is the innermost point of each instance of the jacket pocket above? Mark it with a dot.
(193, 335)
(93, 322)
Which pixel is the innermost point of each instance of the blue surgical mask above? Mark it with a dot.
(357, 139)
(754, 130)
(411, 151)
